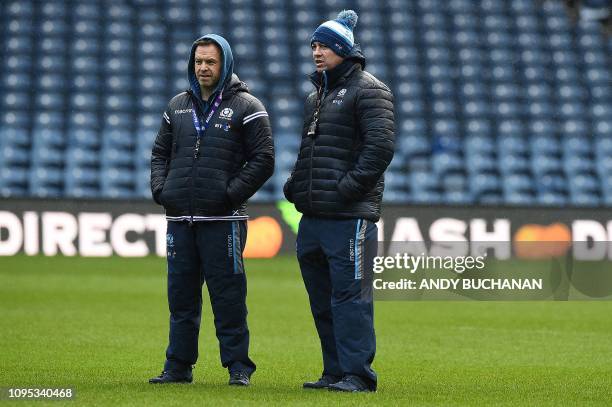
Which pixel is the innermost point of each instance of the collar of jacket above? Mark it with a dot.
(330, 79)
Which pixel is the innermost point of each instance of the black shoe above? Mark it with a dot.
(239, 378)
(350, 383)
(322, 383)
(167, 377)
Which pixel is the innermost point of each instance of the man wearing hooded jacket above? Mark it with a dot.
(337, 183)
(214, 150)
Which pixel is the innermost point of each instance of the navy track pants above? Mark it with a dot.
(336, 259)
(211, 252)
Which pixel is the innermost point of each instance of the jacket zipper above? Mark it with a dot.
(312, 146)
(196, 151)
(318, 107)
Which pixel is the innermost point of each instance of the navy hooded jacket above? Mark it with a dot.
(235, 155)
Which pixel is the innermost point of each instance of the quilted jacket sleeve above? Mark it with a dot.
(374, 112)
(160, 156)
(259, 148)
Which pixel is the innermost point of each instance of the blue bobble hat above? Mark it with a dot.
(337, 34)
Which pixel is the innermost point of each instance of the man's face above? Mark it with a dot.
(324, 58)
(208, 65)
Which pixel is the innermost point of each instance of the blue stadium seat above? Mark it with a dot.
(84, 101)
(477, 127)
(473, 90)
(423, 181)
(578, 146)
(84, 137)
(18, 27)
(585, 199)
(15, 101)
(576, 164)
(575, 128)
(517, 183)
(48, 137)
(18, 45)
(509, 109)
(48, 156)
(142, 155)
(484, 183)
(116, 158)
(52, 46)
(490, 198)
(510, 128)
(15, 155)
(454, 183)
(457, 198)
(603, 127)
(396, 181)
(119, 138)
(115, 177)
(16, 81)
(567, 74)
(539, 91)
(50, 101)
(426, 197)
(411, 108)
(544, 144)
(542, 110)
(446, 162)
(468, 39)
(78, 176)
(519, 198)
(46, 191)
(476, 164)
(14, 176)
(117, 102)
(478, 144)
(444, 108)
(526, 20)
(551, 199)
(583, 183)
(535, 73)
(15, 137)
(503, 73)
(513, 164)
(511, 145)
(15, 118)
(45, 182)
(553, 182)
(545, 164)
(82, 192)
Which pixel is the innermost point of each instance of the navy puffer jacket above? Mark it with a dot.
(339, 171)
(235, 155)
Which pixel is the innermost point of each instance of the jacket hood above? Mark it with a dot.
(356, 55)
(226, 71)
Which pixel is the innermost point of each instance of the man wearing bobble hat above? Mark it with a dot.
(337, 183)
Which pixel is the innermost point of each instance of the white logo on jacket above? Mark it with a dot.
(226, 114)
(339, 97)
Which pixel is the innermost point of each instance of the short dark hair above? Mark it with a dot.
(208, 41)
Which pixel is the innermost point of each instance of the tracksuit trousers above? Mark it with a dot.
(336, 260)
(211, 252)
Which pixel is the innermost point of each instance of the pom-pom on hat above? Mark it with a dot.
(337, 34)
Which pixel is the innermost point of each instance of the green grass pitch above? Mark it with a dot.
(100, 326)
